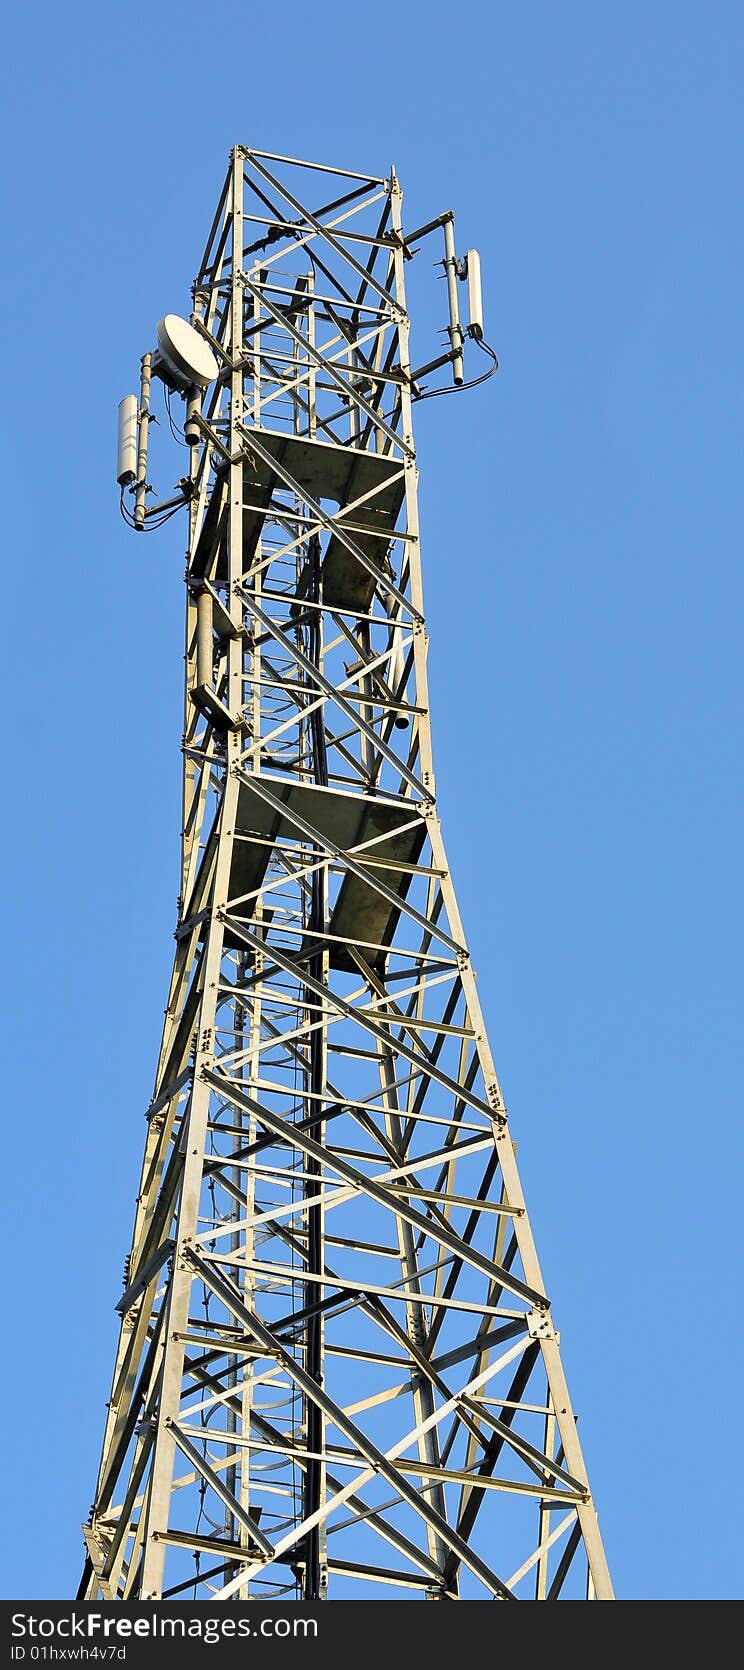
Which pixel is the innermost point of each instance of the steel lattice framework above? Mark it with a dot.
(337, 1372)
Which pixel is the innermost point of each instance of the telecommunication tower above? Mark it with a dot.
(337, 1374)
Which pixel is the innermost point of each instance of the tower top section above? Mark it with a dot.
(319, 255)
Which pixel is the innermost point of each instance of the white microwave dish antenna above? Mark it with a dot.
(185, 352)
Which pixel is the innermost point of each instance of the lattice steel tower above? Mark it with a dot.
(337, 1372)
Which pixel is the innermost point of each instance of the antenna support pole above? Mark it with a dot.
(142, 438)
(454, 328)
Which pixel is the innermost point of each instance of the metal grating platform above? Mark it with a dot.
(341, 475)
(360, 913)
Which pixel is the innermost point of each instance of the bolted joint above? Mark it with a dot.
(540, 1325)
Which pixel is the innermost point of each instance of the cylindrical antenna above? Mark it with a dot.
(126, 452)
(204, 641)
(455, 328)
(144, 422)
(191, 430)
(396, 663)
(475, 297)
(396, 667)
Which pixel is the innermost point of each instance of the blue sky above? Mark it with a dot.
(582, 523)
